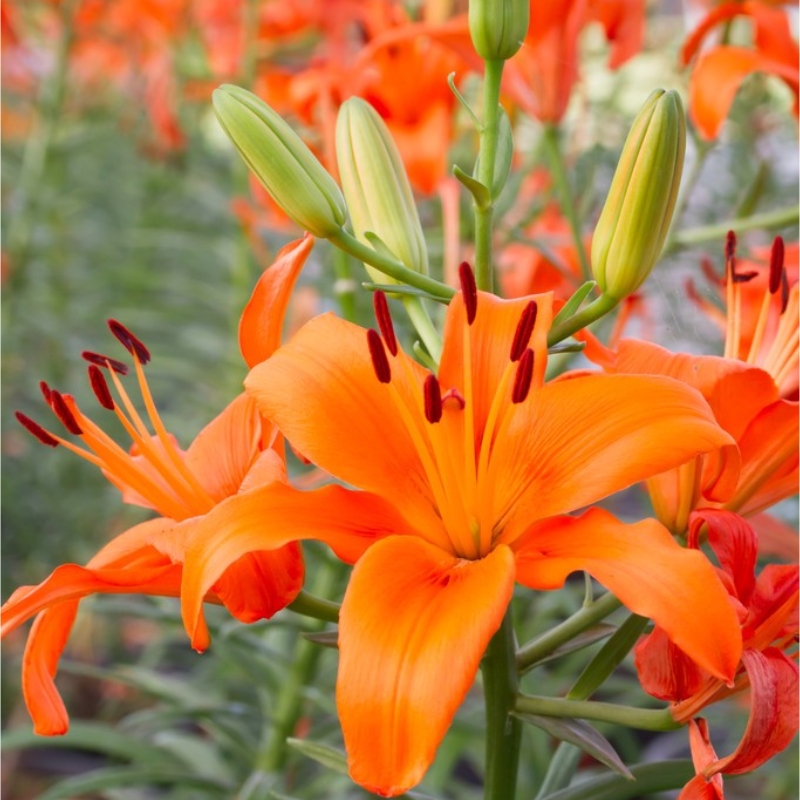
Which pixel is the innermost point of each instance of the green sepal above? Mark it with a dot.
(478, 191)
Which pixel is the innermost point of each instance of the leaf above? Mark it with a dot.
(95, 737)
(127, 777)
(583, 735)
(648, 778)
(404, 290)
(324, 754)
(324, 638)
(583, 639)
(575, 302)
(478, 191)
(611, 655)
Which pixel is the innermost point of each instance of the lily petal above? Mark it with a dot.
(414, 625)
(648, 571)
(262, 319)
(268, 519)
(573, 445)
(327, 369)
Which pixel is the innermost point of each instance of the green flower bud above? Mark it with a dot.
(638, 210)
(375, 184)
(288, 170)
(498, 27)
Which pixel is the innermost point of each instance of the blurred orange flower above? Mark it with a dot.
(718, 72)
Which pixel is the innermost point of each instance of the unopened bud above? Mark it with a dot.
(288, 170)
(374, 181)
(498, 27)
(638, 210)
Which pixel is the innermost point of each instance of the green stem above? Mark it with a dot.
(586, 316)
(644, 719)
(484, 272)
(310, 606)
(503, 731)
(545, 644)
(779, 218)
(687, 187)
(289, 702)
(422, 323)
(345, 286)
(558, 170)
(388, 266)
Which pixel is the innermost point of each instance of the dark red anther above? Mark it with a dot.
(776, 257)
(100, 387)
(45, 390)
(379, 361)
(130, 342)
(469, 290)
(744, 277)
(37, 430)
(784, 291)
(62, 411)
(523, 378)
(524, 330)
(730, 245)
(105, 361)
(433, 399)
(384, 319)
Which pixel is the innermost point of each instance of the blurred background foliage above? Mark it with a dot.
(98, 224)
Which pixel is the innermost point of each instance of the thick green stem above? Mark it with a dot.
(558, 170)
(345, 286)
(289, 701)
(644, 719)
(389, 266)
(503, 731)
(780, 218)
(586, 316)
(484, 270)
(315, 607)
(545, 644)
(423, 325)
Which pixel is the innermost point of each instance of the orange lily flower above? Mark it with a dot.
(477, 469)
(540, 77)
(746, 401)
(232, 456)
(719, 72)
(767, 607)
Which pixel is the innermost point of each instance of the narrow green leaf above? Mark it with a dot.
(575, 302)
(95, 737)
(569, 346)
(324, 754)
(479, 192)
(400, 289)
(324, 638)
(451, 82)
(648, 778)
(560, 770)
(611, 655)
(583, 639)
(583, 735)
(127, 777)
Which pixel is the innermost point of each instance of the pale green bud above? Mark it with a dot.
(375, 184)
(638, 210)
(498, 27)
(279, 158)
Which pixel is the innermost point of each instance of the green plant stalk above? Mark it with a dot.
(586, 316)
(345, 286)
(39, 144)
(559, 172)
(782, 217)
(389, 266)
(644, 719)
(503, 731)
(484, 223)
(423, 325)
(308, 605)
(289, 703)
(703, 149)
(545, 644)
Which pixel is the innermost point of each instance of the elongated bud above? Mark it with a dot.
(278, 157)
(638, 210)
(376, 187)
(498, 27)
